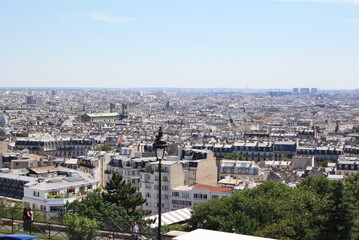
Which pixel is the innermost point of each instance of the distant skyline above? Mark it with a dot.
(256, 44)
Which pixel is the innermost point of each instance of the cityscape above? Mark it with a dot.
(56, 145)
(179, 120)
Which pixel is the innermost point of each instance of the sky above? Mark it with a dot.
(274, 44)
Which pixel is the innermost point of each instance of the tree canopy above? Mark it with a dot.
(316, 209)
(119, 200)
(103, 147)
(119, 193)
(234, 156)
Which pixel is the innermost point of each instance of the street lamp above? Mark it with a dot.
(159, 146)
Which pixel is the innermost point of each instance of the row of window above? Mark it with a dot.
(200, 196)
(348, 166)
(240, 170)
(164, 187)
(11, 192)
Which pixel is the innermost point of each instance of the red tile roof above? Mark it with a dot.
(213, 189)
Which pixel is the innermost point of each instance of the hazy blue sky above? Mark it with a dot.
(179, 43)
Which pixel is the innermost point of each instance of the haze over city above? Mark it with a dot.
(181, 44)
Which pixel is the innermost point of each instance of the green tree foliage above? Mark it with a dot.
(119, 200)
(103, 147)
(173, 227)
(282, 230)
(234, 156)
(316, 209)
(94, 205)
(114, 208)
(122, 194)
(79, 227)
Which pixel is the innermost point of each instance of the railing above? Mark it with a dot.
(51, 225)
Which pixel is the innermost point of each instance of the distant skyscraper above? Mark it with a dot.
(124, 110)
(304, 90)
(38, 101)
(30, 100)
(295, 91)
(112, 107)
(314, 91)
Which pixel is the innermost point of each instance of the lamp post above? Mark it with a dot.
(159, 147)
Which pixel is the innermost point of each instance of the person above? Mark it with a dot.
(27, 217)
(31, 214)
(135, 231)
(109, 237)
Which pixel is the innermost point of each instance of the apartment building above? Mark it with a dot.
(347, 165)
(351, 150)
(236, 169)
(196, 167)
(186, 196)
(21, 160)
(284, 149)
(254, 151)
(62, 147)
(321, 153)
(50, 193)
(95, 164)
(129, 168)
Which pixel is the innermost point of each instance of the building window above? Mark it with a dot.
(55, 208)
(175, 194)
(71, 191)
(36, 194)
(53, 193)
(215, 197)
(185, 195)
(200, 196)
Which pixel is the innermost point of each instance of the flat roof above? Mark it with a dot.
(46, 169)
(215, 235)
(63, 183)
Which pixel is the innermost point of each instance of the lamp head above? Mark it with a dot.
(160, 145)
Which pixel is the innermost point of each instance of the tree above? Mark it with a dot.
(120, 193)
(316, 209)
(103, 147)
(79, 227)
(95, 206)
(282, 230)
(119, 199)
(234, 156)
